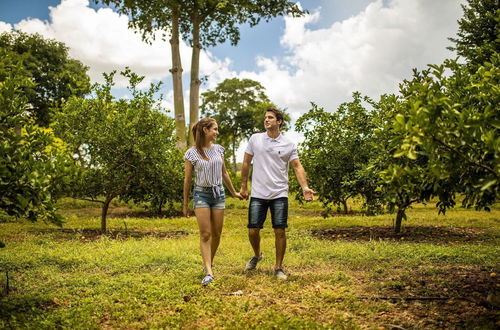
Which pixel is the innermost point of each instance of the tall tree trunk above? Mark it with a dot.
(180, 121)
(194, 91)
(234, 157)
(399, 219)
(104, 212)
(344, 203)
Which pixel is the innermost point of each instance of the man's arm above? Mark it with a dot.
(245, 169)
(300, 173)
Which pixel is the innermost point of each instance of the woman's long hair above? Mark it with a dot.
(199, 134)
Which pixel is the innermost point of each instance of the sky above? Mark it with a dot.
(340, 47)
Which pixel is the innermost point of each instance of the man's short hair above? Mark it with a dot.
(278, 113)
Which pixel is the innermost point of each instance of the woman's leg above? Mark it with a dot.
(204, 224)
(217, 221)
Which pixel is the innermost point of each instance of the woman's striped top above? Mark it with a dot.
(208, 173)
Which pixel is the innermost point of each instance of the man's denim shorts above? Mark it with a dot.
(205, 197)
(257, 212)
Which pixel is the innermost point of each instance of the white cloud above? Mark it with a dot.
(371, 52)
(5, 27)
(102, 40)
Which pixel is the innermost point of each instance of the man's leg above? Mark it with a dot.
(280, 242)
(279, 214)
(256, 216)
(254, 237)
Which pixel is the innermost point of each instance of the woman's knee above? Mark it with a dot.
(205, 236)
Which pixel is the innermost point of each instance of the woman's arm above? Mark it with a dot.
(227, 181)
(188, 177)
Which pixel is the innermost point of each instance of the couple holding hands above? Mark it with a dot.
(271, 154)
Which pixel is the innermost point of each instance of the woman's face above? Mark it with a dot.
(212, 132)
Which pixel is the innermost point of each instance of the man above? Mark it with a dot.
(271, 153)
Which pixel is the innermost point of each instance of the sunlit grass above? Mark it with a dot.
(69, 280)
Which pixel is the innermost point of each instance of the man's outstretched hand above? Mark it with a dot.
(308, 194)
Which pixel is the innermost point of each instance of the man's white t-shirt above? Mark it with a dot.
(271, 158)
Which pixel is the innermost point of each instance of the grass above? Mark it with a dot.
(74, 278)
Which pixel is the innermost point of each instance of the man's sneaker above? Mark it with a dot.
(207, 280)
(252, 263)
(280, 274)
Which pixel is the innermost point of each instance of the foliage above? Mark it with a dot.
(477, 38)
(219, 20)
(56, 76)
(453, 121)
(238, 106)
(403, 180)
(34, 164)
(336, 152)
(203, 23)
(125, 148)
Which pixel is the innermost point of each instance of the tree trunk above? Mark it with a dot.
(180, 121)
(194, 92)
(234, 157)
(104, 212)
(344, 203)
(160, 205)
(399, 219)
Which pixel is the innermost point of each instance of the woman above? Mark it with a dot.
(207, 160)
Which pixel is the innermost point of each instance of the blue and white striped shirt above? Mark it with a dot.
(208, 173)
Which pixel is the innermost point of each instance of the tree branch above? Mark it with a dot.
(484, 167)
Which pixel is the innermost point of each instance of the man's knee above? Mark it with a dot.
(279, 233)
(253, 232)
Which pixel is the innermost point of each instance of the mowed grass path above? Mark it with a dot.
(147, 274)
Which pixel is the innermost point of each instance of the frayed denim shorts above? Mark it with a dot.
(209, 197)
(257, 212)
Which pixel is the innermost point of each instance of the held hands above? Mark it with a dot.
(308, 193)
(244, 193)
(238, 195)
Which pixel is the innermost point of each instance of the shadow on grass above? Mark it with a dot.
(118, 234)
(416, 234)
(121, 212)
(24, 306)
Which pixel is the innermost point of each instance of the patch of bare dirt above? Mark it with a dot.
(454, 297)
(93, 234)
(430, 234)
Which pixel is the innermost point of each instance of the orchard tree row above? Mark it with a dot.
(437, 138)
(62, 137)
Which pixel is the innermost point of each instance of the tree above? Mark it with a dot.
(478, 31)
(237, 105)
(403, 177)
(34, 164)
(453, 121)
(55, 74)
(203, 23)
(125, 148)
(336, 151)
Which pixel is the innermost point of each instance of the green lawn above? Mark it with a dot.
(345, 272)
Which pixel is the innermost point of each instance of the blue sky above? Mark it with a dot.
(261, 40)
(340, 47)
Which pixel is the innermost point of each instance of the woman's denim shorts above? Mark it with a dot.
(207, 197)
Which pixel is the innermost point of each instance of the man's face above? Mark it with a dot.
(270, 121)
